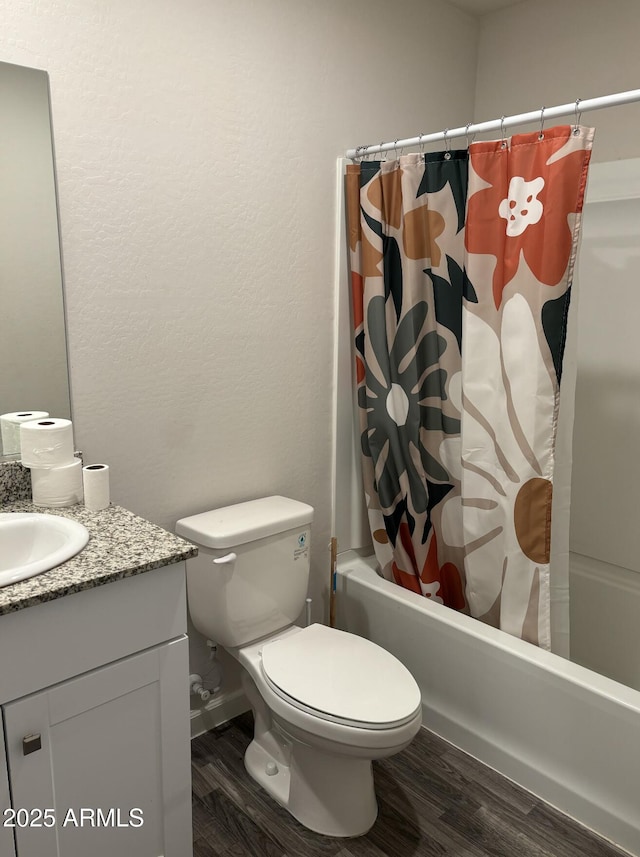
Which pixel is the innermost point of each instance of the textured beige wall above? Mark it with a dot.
(196, 146)
(545, 52)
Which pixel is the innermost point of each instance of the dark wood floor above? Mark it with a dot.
(433, 800)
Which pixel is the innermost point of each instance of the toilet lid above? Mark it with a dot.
(341, 677)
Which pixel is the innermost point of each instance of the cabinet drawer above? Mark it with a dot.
(48, 643)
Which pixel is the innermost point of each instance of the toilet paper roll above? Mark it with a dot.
(10, 428)
(95, 478)
(57, 486)
(46, 443)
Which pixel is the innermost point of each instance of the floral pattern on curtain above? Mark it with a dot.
(406, 234)
(461, 267)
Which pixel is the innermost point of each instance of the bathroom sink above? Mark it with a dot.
(31, 543)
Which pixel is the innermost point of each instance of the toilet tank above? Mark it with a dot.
(251, 574)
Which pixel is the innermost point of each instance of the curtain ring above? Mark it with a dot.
(381, 153)
(466, 131)
(503, 144)
(447, 145)
(576, 127)
(395, 148)
(541, 134)
(420, 143)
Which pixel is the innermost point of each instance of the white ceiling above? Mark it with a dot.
(481, 7)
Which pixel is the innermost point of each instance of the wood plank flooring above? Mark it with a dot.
(433, 800)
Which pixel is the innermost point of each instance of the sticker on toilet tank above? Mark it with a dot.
(302, 546)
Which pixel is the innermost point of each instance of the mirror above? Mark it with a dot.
(33, 349)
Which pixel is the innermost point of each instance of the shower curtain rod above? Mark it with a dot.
(541, 115)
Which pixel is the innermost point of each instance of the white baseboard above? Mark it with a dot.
(217, 711)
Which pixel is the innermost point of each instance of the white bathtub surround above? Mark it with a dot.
(605, 538)
(568, 735)
(605, 597)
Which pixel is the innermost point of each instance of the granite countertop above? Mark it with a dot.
(120, 545)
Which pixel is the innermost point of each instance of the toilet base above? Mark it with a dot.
(320, 771)
(330, 794)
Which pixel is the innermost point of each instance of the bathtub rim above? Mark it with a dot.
(363, 567)
(525, 713)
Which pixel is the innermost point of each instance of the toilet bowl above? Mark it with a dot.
(326, 703)
(314, 741)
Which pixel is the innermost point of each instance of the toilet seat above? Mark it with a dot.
(341, 678)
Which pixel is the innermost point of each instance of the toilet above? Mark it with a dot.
(325, 702)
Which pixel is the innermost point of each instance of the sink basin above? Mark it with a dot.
(31, 543)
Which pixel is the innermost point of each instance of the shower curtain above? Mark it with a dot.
(461, 269)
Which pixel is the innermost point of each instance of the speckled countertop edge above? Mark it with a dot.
(120, 545)
(15, 482)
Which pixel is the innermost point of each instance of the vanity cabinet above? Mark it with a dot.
(95, 704)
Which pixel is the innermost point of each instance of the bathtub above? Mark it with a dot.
(566, 734)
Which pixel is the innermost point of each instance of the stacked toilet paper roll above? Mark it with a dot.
(95, 478)
(57, 486)
(10, 428)
(46, 443)
(47, 448)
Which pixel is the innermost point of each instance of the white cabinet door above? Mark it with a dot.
(6, 832)
(112, 764)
